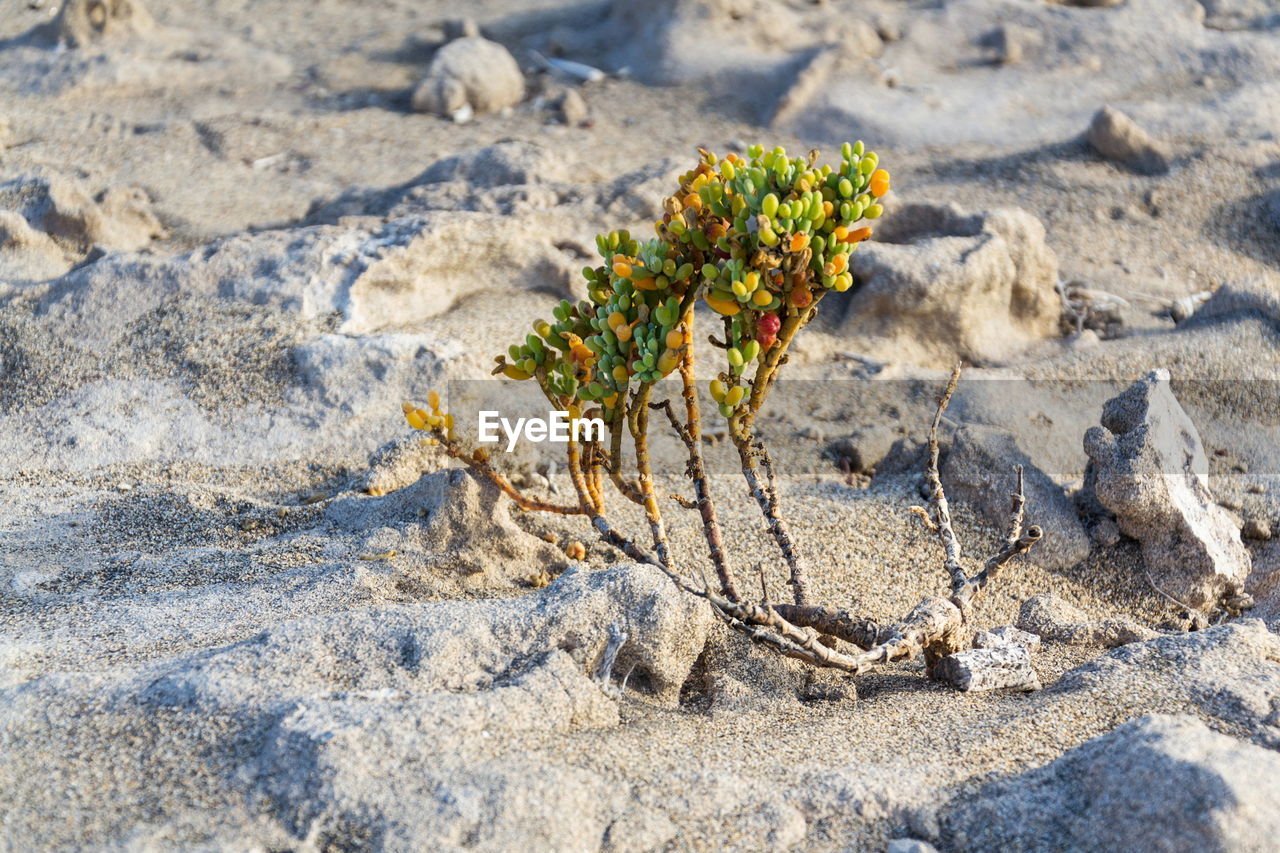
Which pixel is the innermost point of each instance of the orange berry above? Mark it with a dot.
(616, 319)
(622, 269)
(799, 241)
(859, 235)
(800, 296)
(675, 339)
(840, 233)
(692, 200)
(646, 283)
(879, 182)
(839, 264)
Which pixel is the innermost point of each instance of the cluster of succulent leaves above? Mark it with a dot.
(758, 238)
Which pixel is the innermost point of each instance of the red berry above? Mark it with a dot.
(767, 330)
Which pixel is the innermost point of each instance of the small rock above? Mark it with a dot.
(1053, 618)
(1183, 308)
(1148, 467)
(1257, 528)
(469, 72)
(572, 107)
(1106, 532)
(1257, 295)
(1003, 667)
(1010, 42)
(1115, 136)
(1006, 635)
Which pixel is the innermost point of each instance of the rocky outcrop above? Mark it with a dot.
(1157, 783)
(1148, 467)
(939, 284)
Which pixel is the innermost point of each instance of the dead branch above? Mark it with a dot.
(609, 656)
(941, 509)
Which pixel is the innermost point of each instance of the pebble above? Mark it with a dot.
(1118, 138)
(1257, 528)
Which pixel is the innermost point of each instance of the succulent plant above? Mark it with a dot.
(761, 238)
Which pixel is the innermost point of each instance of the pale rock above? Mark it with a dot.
(469, 72)
(1106, 532)
(1117, 137)
(1055, 619)
(1006, 635)
(459, 645)
(938, 285)
(1148, 466)
(385, 276)
(81, 23)
(572, 107)
(909, 845)
(1004, 666)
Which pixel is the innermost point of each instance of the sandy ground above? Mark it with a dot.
(195, 379)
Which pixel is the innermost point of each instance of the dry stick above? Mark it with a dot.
(484, 469)
(608, 657)
(593, 457)
(841, 624)
(749, 448)
(602, 525)
(1015, 543)
(934, 628)
(941, 509)
(640, 437)
(691, 434)
(629, 491)
(767, 499)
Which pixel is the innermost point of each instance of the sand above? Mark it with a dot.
(211, 634)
